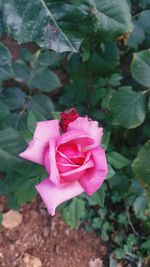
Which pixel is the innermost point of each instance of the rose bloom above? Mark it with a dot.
(74, 160)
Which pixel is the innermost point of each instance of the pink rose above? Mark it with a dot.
(74, 160)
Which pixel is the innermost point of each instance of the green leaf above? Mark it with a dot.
(11, 144)
(105, 139)
(146, 244)
(8, 161)
(25, 54)
(114, 18)
(128, 107)
(13, 181)
(96, 223)
(144, 2)
(97, 95)
(2, 188)
(140, 205)
(117, 160)
(99, 197)
(49, 58)
(56, 115)
(136, 188)
(21, 71)
(27, 192)
(105, 62)
(76, 21)
(110, 173)
(119, 239)
(32, 21)
(14, 97)
(107, 99)
(146, 128)
(74, 212)
(73, 68)
(119, 253)
(2, 26)
(4, 110)
(1, 217)
(137, 37)
(27, 135)
(12, 202)
(140, 67)
(44, 79)
(6, 71)
(32, 119)
(115, 79)
(42, 104)
(85, 55)
(141, 166)
(144, 20)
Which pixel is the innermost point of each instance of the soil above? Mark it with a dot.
(49, 239)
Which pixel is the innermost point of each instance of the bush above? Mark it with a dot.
(94, 56)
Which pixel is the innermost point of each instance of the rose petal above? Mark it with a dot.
(62, 158)
(87, 157)
(50, 162)
(77, 136)
(63, 167)
(78, 172)
(87, 127)
(94, 177)
(36, 149)
(53, 195)
(69, 149)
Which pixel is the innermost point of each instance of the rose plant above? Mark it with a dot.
(94, 56)
(74, 160)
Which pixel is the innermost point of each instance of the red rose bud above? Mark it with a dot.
(68, 116)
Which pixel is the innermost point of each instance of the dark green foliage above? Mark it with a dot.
(6, 70)
(74, 212)
(141, 164)
(140, 67)
(103, 71)
(128, 107)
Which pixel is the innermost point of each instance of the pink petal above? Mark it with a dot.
(88, 156)
(53, 195)
(69, 149)
(36, 149)
(87, 127)
(62, 158)
(78, 136)
(50, 162)
(72, 152)
(77, 173)
(94, 177)
(65, 167)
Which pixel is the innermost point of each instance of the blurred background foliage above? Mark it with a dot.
(94, 56)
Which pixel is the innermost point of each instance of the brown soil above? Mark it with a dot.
(49, 239)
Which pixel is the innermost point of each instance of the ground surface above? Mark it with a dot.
(48, 239)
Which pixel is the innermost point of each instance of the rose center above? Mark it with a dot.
(70, 153)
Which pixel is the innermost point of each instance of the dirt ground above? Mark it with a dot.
(49, 240)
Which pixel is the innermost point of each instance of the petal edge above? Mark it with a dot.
(54, 195)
